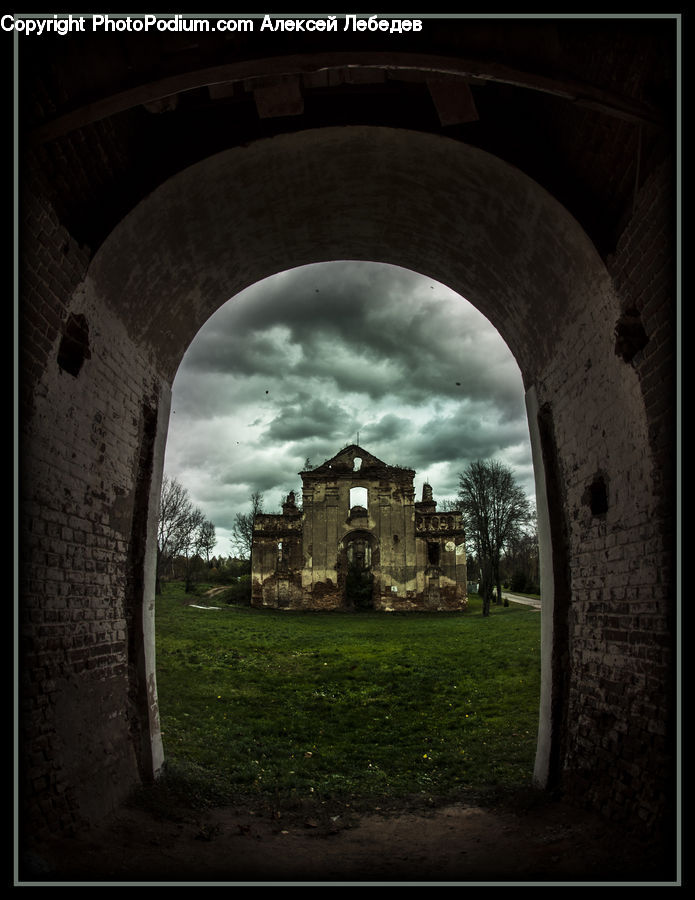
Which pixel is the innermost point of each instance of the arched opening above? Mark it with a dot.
(361, 551)
(447, 342)
(284, 372)
(431, 205)
(359, 497)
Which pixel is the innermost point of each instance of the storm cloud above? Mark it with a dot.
(304, 363)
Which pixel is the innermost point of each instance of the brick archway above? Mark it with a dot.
(358, 558)
(438, 207)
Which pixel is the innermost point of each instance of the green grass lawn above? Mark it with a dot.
(359, 704)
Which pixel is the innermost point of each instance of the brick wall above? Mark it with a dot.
(617, 469)
(80, 445)
(643, 268)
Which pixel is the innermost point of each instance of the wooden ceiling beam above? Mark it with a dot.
(430, 68)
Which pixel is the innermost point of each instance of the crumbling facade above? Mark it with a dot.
(360, 540)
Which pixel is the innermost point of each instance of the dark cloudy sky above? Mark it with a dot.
(297, 366)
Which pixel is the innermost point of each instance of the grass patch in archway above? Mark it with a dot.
(348, 704)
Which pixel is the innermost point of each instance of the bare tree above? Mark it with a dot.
(494, 510)
(207, 539)
(174, 508)
(182, 528)
(520, 560)
(242, 532)
(190, 542)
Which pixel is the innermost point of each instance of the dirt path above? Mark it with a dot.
(527, 841)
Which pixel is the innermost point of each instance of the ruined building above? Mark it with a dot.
(359, 541)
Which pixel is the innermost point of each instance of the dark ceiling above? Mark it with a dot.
(586, 107)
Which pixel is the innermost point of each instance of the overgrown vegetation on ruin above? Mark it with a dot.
(347, 704)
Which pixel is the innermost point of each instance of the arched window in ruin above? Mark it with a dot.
(358, 497)
(359, 552)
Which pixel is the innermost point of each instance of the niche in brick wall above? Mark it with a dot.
(74, 346)
(630, 336)
(596, 495)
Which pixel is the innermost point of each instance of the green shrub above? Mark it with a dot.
(517, 583)
(238, 593)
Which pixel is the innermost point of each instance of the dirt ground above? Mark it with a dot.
(512, 840)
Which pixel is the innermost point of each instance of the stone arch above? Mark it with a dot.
(358, 563)
(424, 202)
(367, 537)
